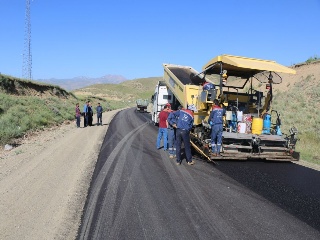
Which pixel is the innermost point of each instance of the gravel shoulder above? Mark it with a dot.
(45, 180)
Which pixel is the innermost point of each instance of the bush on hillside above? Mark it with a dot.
(312, 59)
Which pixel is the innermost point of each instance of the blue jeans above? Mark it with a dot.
(183, 135)
(216, 137)
(162, 133)
(172, 141)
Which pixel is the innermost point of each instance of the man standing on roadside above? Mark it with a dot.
(85, 110)
(216, 122)
(163, 125)
(183, 122)
(89, 114)
(99, 114)
(78, 115)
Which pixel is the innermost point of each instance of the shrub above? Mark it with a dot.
(312, 59)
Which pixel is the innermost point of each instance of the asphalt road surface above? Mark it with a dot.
(137, 192)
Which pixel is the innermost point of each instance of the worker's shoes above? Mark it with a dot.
(178, 163)
(171, 156)
(213, 154)
(191, 163)
(216, 155)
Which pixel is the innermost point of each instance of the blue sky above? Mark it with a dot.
(132, 38)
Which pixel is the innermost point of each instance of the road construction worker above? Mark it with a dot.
(163, 127)
(216, 122)
(183, 122)
(171, 136)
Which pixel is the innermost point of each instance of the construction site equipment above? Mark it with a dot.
(247, 127)
(142, 105)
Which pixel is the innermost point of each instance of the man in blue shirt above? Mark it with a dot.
(216, 122)
(182, 120)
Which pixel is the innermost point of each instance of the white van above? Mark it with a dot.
(162, 95)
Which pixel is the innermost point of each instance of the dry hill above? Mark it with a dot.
(123, 94)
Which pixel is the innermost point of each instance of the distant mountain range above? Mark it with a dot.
(80, 82)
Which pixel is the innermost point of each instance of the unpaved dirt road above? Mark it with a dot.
(44, 181)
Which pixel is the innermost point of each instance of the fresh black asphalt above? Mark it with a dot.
(137, 192)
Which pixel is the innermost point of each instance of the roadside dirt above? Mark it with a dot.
(44, 181)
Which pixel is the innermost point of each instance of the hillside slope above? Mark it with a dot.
(298, 101)
(27, 105)
(123, 94)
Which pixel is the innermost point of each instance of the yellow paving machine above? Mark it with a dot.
(248, 130)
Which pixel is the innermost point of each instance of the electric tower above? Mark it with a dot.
(27, 55)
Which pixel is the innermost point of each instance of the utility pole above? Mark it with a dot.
(27, 55)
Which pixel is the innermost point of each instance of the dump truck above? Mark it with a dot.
(142, 105)
(248, 132)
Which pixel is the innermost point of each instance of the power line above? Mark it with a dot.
(27, 54)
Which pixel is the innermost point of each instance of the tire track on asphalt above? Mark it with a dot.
(187, 188)
(127, 196)
(97, 185)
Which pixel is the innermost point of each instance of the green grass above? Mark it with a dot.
(300, 108)
(28, 105)
(20, 114)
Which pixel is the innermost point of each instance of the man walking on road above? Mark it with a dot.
(163, 125)
(183, 121)
(99, 114)
(216, 122)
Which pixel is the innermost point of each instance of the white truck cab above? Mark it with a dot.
(162, 95)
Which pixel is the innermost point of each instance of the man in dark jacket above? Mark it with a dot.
(182, 120)
(99, 114)
(89, 113)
